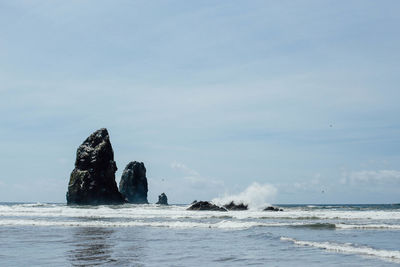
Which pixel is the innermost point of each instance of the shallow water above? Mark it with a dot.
(151, 235)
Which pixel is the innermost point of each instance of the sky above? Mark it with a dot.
(296, 100)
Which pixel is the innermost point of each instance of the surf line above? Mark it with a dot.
(348, 248)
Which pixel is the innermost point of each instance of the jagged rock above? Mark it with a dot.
(133, 184)
(233, 206)
(205, 205)
(272, 209)
(92, 182)
(162, 199)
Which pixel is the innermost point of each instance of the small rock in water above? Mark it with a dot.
(162, 199)
(233, 206)
(270, 208)
(205, 205)
(133, 185)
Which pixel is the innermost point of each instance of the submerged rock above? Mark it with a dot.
(233, 206)
(162, 199)
(205, 205)
(270, 208)
(133, 184)
(92, 182)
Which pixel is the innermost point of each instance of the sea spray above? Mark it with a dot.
(256, 196)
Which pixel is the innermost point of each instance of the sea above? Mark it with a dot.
(51, 234)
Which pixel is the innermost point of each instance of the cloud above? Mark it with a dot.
(371, 177)
(314, 184)
(182, 167)
(194, 177)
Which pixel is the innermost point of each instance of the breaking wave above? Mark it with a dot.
(368, 226)
(179, 212)
(226, 223)
(348, 248)
(256, 196)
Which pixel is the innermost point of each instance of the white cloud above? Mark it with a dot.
(194, 177)
(182, 167)
(371, 177)
(314, 184)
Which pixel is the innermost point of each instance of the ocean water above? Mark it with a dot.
(43, 234)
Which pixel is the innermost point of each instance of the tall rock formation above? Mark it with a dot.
(133, 184)
(92, 182)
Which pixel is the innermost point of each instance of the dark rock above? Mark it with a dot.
(133, 184)
(194, 201)
(162, 199)
(233, 206)
(92, 182)
(205, 205)
(272, 209)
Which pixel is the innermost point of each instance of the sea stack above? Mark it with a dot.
(162, 199)
(92, 182)
(133, 184)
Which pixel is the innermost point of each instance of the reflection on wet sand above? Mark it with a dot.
(92, 246)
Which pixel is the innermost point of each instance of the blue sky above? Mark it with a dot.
(300, 96)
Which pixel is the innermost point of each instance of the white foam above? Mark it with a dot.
(255, 196)
(174, 223)
(225, 224)
(179, 212)
(349, 248)
(368, 226)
